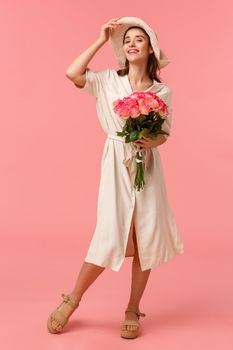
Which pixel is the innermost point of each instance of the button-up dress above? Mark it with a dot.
(119, 203)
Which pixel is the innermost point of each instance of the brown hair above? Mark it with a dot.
(152, 64)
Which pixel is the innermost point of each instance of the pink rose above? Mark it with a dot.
(135, 112)
(144, 108)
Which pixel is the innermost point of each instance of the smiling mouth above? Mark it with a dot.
(131, 52)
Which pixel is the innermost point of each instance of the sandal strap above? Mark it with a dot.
(59, 317)
(138, 313)
(67, 299)
(131, 323)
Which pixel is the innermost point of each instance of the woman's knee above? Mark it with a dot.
(93, 267)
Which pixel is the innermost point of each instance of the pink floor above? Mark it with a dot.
(188, 301)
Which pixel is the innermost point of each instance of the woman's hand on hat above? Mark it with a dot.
(107, 28)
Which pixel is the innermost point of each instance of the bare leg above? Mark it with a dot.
(87, 275)
(138, 284)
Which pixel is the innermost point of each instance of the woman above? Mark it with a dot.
(129, 223)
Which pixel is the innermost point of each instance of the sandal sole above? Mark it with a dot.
(127, 335)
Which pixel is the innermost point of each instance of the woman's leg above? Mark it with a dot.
(138, 284)
(87, 275)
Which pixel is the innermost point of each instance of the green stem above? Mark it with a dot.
(139, 178)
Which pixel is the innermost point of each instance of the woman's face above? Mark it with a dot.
(136, 46)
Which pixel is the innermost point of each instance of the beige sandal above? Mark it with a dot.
(130, 334)
(58, 316)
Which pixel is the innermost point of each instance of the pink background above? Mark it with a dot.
(50, 175)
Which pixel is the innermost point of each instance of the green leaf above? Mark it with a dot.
(144, 132)
(127, 139)
(120, 133)
(130, 128)
(133, 136)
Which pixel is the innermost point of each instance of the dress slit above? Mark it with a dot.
(132, 245)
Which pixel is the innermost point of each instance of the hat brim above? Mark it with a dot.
(116, 40)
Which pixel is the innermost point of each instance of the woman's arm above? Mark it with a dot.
(76, 71)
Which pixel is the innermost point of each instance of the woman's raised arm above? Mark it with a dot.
(76, 72)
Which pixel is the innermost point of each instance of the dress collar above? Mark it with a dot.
(124, 81)
(130, 87)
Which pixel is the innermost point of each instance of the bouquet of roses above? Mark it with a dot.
(145, 113)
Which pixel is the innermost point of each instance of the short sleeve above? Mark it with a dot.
(96, 82)
(167, 98)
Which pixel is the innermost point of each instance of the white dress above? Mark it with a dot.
(119, 203)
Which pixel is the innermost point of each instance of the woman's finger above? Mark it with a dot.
(116, 19)
(113, 20)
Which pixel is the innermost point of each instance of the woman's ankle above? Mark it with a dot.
(75, 298)
(133, 306)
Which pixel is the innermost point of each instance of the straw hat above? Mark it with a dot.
(117, 34)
